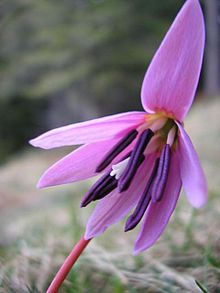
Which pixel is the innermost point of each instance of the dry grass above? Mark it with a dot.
(38, 229)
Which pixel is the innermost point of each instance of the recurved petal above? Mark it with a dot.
(79, 164)
(116, 205)
(90, 131)
(158, 214)
(192, 175)
(172, 77)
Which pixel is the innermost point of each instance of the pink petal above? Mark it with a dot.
(116, 205)
(172, 77)
(193, 178)
(79, 165)
(158, 214)
(89, 131)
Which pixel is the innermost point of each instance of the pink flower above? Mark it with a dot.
(145, 156)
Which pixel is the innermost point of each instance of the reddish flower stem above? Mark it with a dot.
(67, 265)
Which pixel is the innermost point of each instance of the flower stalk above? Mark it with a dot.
(67, 265)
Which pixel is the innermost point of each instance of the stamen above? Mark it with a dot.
(103, 186)
(101, 183)
(107, 185)
(117, 149)
(102, 192)
(143, 203)
(159, 183)
(132, 172)
(134, 162)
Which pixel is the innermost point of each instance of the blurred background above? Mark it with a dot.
(74, 60)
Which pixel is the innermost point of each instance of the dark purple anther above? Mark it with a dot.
(109, 185)
(132, 173)
(106, 190)
(134, 161)
(117, 149)
(143, 203)
(101, 183)
(159, 183)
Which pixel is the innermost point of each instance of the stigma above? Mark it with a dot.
(118, 169)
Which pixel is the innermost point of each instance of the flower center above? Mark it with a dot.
(163, 130)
